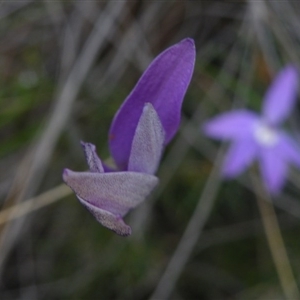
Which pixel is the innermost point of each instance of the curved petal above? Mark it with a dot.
(289, 150)
(163, 84)
(281, 96)
(231, 125)
(92, 158)
(148, 142)
(107, 219)
(273, 168)
(116, 192)
(239, 156)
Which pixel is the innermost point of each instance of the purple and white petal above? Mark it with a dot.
(273, 168)
(281, 96)
(107, 219)
(289, 150)
(239, 156)
(115, 192)
(92, 158)
(148, 142)
(164, 85)
(232, 125)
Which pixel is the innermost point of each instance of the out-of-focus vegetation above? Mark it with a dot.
(65, 67)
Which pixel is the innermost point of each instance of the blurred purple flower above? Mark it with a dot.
(145, 123)
(260, 137)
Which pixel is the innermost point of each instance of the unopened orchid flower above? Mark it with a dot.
(145, 123)
(261, 137)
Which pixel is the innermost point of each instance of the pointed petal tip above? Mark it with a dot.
(188, 44)
(125, 233)
(147, 106)
(82, 143)
(119, 227)
(209, 128)
(205, 128)
(66, 171)
(85, 144)
(187, 41)
(65, 174)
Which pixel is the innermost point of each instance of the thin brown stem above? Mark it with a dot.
(35, 203)
(275, 241)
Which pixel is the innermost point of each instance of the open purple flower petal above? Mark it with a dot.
(239, 156)
(273, 169)
(281, 96)
(231, 125)
(259, 136)
(148, 142)
(115, 193)
(163, 84)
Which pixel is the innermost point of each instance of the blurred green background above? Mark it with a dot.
(65, 68)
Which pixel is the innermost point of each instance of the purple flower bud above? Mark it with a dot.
(145, 123)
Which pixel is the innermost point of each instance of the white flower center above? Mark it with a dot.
(265, 135)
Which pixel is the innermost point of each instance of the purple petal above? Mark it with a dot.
(163, 84)
(273, 168)
(107, 219)
(115, 193)
(281, 96)
(148, 142)
(92, 158)
(289, 150)
(232, 125)
(240, 155)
